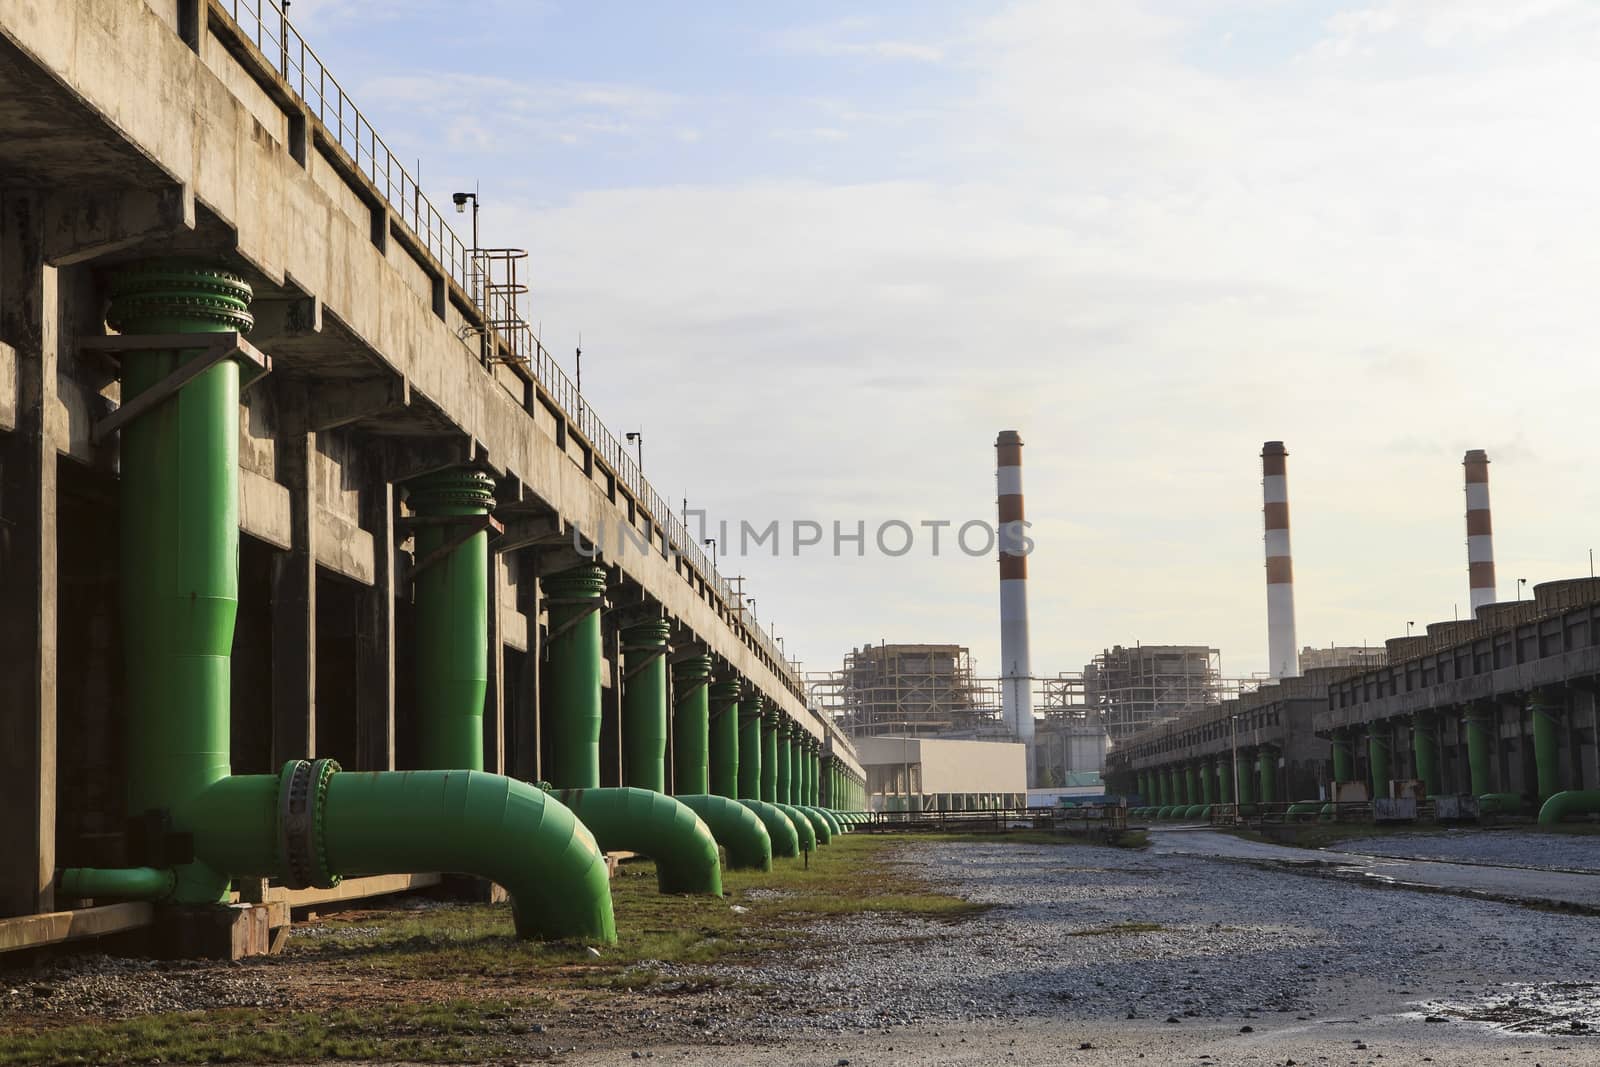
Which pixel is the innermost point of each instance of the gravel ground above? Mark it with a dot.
(1229, 942)
(1512, 847)
(111, 987)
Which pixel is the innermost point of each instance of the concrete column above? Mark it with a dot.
(525, 762)
(28, 571)
(376, 688)
(294, 587)
(494, 692)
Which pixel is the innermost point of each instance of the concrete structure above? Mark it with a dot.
(1062, 749)
(133, 129)
(1312, 659)
(908, 689)
(1465, 708)
(1133, 688)
(1480, 530)
(925, 767)
(1280, 568)
(1016, 675)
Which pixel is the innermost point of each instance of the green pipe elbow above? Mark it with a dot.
(818, 823)
(785, 838)
(1571, 802)
(802, 826)
(654, 825)
(736, 828)
(1326, 815)
(117, 883)
(1194, 811)
(835, 827)
(469, 822)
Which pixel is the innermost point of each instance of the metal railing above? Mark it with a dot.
(264, 23)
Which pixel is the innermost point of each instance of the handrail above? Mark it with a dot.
(264, 23)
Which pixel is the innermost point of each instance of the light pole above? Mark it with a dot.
(460, 200)
(1409, 624)
(712, 541)
(752, 602)
(637, 437)
(1520, 583)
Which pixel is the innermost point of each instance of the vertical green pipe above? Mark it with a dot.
(1267, 760)
(1344, 761)
(1207, 791)
(725, 737)
(1547, 705)
(797, 767)
(1378, 751)
(1242, 767)
(179, 529)
(644, 705)
(1480, 722)
(1191, 791)
(1224, 765)
(769, 755)
(751, 768)
(573, 598)
(815, 767)
(1425, 743)
(452, 617)
(783, 788)
(690, 731)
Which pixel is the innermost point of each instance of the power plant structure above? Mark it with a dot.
(1016, 674)
(308, 588)
(905, 689)
(1281, 645)
(1496, 714)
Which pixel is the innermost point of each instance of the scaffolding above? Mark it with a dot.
(1131, 689)
(906, 690)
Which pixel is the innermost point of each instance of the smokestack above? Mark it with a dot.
(1480, 535)
(1281, 661)
(1016, 681)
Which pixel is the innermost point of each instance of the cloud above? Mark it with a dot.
(854, 37)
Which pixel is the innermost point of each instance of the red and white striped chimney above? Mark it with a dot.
(1282, 661)
(1016, 676)
(1480, 534)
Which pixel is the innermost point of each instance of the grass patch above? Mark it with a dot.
(450, 1031)
(1116, 929)
(452, 983)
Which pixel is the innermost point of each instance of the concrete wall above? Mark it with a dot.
(945, 766)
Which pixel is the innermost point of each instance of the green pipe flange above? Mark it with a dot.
(302, 829)
(580, 583)
(454, 491)
(151, 297)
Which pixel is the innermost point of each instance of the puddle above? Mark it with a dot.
(1568, 1009)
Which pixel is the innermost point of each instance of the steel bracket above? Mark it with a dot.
(213, 348)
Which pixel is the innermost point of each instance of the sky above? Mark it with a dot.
(819, 255)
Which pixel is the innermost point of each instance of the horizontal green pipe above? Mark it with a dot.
(117, 883)
(468, 822)
(1571, 802)
(785, 839)
(654, 825)
(802, 826)
(736, 828)
(1500, 803)
(818, 823)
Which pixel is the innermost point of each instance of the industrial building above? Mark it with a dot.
(1132, 689)
(289, 489)
(906, 689)
(943, 774)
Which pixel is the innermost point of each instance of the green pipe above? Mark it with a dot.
(465, 821)
(1500, 804)
(1547, 706)
(797, 767)
(785, 838)
(1191, 792)
(1425, 743)
(783, 787)
(690, 737)
(736, 828)
(1193, 811)
(1344, 757)
(1304, 807)
(1480, 723)
(1224, 768)
(818, 823)
(573, 651)
(835, 827)
(1267, 761)
(119, 883)
(802, 826)
(750, 744)
(1207, 792)
(1326, 814)
(655, 825)
(769, 755)
(1164, 781)
(180, 545)
(1378, 770)
(725, 737)
(644, 705)
(452, 616)
(1571, 802)
(1247, 790)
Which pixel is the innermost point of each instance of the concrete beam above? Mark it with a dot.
(85, 225)
(357, 401)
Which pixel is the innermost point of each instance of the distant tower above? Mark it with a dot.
(1480, 534)
(1281, 650)
(1016, 678)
